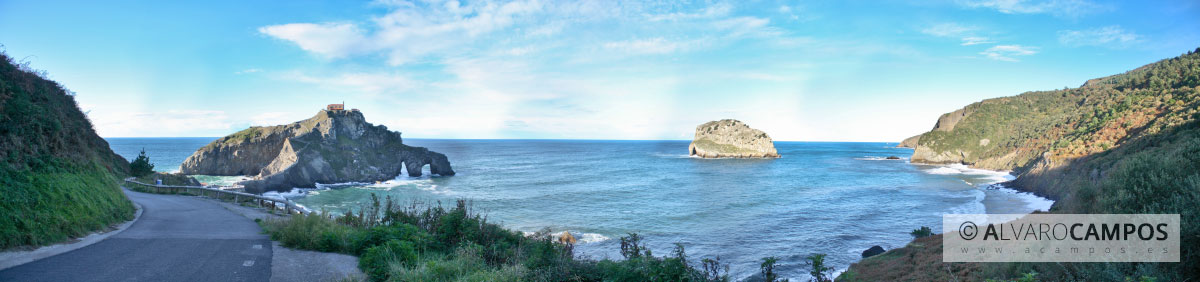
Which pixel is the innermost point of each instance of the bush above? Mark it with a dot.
(377, 259)
(141, 166)
(315, 232)
(922, 232)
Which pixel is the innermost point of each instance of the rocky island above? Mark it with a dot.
(730, 138)
(334, 146)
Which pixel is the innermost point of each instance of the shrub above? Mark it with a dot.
(922, 232)
(141, 166)
(314, 232)
(376, 260)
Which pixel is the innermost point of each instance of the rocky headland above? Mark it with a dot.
(910, 142)
(730, 138)
(334, 146)
(1121, 144)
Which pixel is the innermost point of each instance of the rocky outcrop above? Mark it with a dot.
(873, 251)
(926, 155)
(910, 142)
(729, 138)
(332, 147)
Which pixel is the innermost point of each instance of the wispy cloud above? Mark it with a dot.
(709, 12)
(248, 71)
(975, 40)
(656, 45)
(160, 122)
(1008, 52)
(372, 83)
(967, 34)
(1062, 8)
(1109, 36)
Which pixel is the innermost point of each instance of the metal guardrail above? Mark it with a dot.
(237, 197)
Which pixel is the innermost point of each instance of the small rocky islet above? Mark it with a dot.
(334, 146)
(730, 138)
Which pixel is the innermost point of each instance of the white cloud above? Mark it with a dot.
(1109, 36)
(371, 83)
(480, 70)
(1064, 8)
(657, 45)
(948, 30)
(274, 118)
(975, 40)
(332, 40)
(248, 71)
(408, 32)
(713, 11)
(954, 30)
(122, 123)
(1008, 52)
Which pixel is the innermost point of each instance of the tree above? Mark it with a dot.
(819, 270)
(768, 270)
(141, 166)
(632, 247)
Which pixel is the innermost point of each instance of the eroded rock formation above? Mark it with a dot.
(730, 138)
(335, 146)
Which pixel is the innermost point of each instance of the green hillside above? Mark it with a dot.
(1127, 143)
(58, 179)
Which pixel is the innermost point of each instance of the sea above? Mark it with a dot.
(835, 198)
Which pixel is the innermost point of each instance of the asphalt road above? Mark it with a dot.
(178, 238)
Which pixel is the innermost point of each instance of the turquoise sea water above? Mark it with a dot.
(821, 197)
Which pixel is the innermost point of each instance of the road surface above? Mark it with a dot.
(178, 238)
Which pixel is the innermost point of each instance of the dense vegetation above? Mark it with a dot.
(58, 179)
(431, 243)
(1128, 143)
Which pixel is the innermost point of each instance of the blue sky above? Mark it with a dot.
(799, 70)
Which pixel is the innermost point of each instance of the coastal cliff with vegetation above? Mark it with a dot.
(729, 138)
(58, 179)
(1126, 144)
(334, 146)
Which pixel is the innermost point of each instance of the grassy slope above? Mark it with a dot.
(58, 179)
(1128, 143)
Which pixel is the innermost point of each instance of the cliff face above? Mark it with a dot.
(1123, 144)
(58, 178)
(731, 139)
(331, 147)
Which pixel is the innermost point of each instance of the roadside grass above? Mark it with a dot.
(58, 201)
